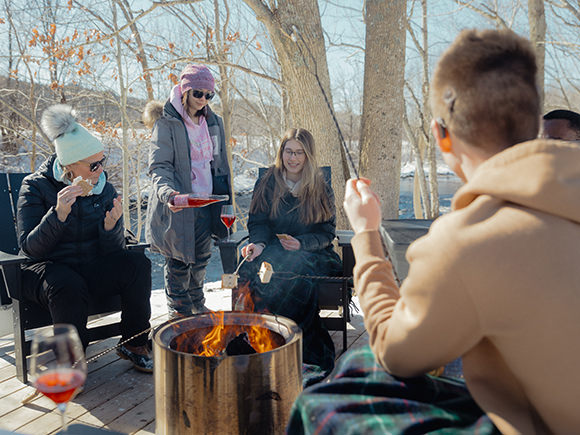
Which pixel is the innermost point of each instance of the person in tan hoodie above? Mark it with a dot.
(496, 281)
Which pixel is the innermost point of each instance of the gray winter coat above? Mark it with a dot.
(172, 234)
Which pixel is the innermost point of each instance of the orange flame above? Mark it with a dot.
(261, 338)
(213, 343)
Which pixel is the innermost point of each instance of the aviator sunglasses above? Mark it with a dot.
(198, 94)
(95, 165)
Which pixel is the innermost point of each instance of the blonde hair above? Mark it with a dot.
(314, 203)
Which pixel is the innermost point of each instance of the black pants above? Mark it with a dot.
(184, 281)
(66, 290)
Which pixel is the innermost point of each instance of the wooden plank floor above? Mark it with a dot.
(115, 396)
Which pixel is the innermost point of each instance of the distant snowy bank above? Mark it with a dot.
(257, 153)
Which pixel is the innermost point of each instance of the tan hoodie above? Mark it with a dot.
(496, 281)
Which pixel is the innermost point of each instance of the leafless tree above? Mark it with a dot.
(295, 30)
(383, 105)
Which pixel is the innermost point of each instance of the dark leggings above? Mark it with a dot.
(184, 281)
(66, 290)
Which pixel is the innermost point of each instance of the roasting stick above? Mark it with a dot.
(382, 232)
(230, 280)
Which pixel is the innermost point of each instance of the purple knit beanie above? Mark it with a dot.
(196, 77)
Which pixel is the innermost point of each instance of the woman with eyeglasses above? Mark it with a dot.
(291, 226)
(187, 155)
(75, 236)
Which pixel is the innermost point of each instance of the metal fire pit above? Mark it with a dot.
(244, 394)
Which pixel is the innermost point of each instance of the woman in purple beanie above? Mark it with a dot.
(187, 155)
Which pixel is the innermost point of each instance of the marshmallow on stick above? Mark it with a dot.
(229, 280)
(265, 272)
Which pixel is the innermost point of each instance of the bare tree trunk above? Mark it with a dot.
(419, 181)
(295, 29)
(124, 127)
(383, 104)
(224, 91)
(428, 141)
(423, 142)
(140, 51)
(537, 23)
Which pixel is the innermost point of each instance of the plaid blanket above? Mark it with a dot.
(295, 296)
(362, 398)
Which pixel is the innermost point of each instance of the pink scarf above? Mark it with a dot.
(200, 146)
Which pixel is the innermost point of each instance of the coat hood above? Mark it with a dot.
(151, 113)
(541, 175)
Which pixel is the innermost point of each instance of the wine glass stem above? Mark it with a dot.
(64, 423)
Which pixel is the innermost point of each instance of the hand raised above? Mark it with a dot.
(113, 215)
(65, 200)
(362, 205)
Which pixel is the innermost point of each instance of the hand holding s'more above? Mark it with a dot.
(86, 185)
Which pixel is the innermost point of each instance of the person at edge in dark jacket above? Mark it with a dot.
(187, 155)
(76, 238)
(291, 226)
(561, 124)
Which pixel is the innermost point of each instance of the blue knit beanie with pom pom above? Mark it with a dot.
(72, 141)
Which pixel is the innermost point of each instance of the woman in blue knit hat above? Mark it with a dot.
(75, 234)
(187, 155)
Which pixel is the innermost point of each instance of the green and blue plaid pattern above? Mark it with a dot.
(361, 398)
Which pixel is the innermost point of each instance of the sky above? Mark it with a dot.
(343, 22)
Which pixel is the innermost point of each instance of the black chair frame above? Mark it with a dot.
(28, 315)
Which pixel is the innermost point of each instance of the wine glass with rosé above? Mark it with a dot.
(228, 217)
(58, 365)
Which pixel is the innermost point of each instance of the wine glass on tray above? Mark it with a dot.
(58, 366)
(228, 217)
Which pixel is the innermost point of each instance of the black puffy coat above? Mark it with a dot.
(312, 237)
(81, 238)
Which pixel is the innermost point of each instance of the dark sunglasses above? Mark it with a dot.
(198, 94)
(95, 165)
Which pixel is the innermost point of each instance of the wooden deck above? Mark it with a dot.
(115, 396)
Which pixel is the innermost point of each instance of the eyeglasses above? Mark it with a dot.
(95, 165)
(290, 153)
(198, 94)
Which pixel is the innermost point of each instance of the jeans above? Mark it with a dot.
(66, 290)
(184, 281)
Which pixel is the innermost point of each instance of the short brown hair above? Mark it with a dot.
(484, 89)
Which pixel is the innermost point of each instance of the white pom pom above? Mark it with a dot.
(58, 120)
